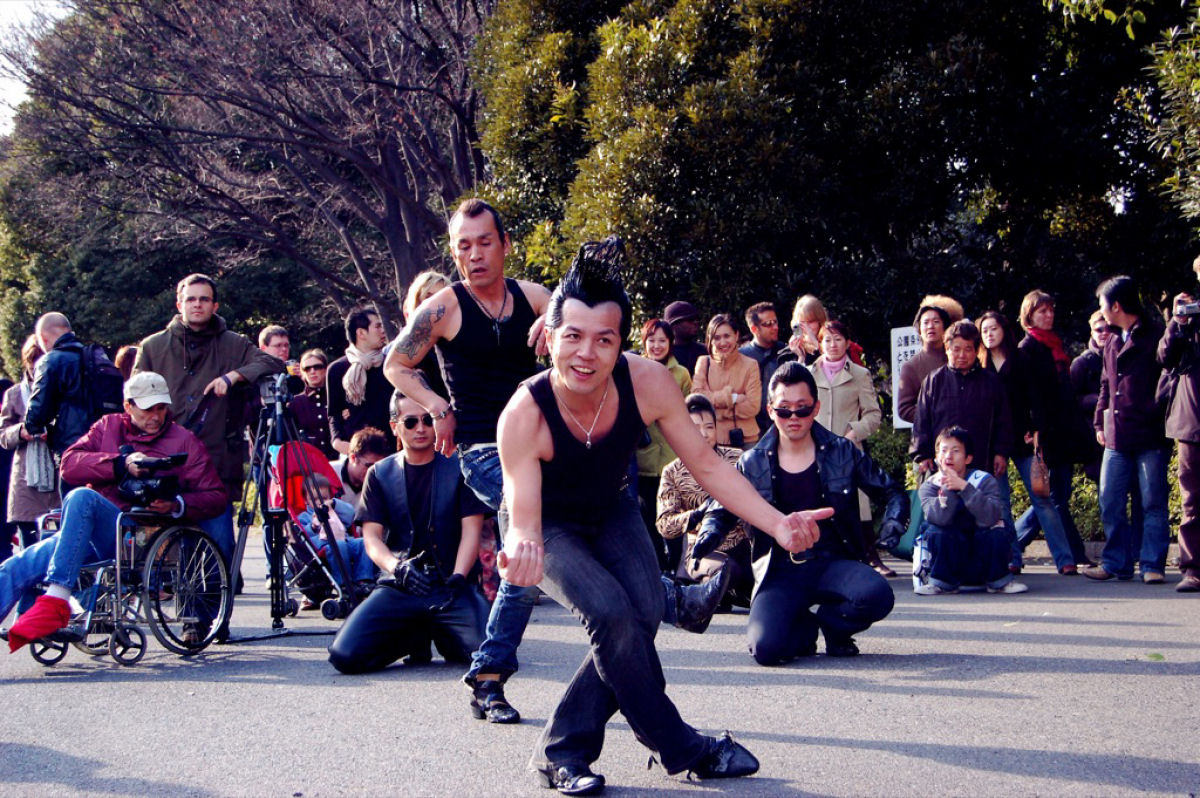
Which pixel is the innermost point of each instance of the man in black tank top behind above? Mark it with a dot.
(482, 330)
(565, 441)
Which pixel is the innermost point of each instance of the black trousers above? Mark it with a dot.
(391, 624)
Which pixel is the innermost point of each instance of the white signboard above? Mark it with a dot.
(905, 344)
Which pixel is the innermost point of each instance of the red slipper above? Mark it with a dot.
(48, 614)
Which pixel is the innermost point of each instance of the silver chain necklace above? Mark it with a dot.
(588, 431)
(496, 319)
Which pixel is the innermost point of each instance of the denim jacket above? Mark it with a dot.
(843, 469)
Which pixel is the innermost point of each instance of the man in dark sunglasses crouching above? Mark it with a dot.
(800, 465)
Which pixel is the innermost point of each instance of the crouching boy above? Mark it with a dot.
(964, 539)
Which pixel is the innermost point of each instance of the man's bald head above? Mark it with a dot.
(50, 327)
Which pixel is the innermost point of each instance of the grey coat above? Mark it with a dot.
(24, 503)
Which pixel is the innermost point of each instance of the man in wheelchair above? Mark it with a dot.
(107, 455)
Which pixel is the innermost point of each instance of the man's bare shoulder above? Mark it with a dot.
(429, 324)
(537, 295)
(520, 423)
(655, 388)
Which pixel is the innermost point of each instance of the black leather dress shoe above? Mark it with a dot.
(840, 648)
(570, 779)
(725, 760)
(695, 604)
(488, 701)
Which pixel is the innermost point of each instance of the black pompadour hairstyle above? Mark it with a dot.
(792, 373)
(594, 277)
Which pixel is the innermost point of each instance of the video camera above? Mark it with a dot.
(1187, 309)
(141, 491)
(279, 388)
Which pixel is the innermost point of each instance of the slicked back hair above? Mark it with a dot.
(358, 319)
(699, 403)
(594, 278)
(1121, 289)
(792, 373)
(476, 207)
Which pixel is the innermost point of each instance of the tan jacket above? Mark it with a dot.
(719, 380)
(848, 403)
(24, 503)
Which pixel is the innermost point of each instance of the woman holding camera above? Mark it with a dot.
(731, 382)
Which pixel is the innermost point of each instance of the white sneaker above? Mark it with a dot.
(1011, 587)
(930, 589)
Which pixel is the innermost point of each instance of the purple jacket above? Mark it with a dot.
(1127, 411)
(91, 461)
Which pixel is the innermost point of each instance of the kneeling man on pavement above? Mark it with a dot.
(421, 526)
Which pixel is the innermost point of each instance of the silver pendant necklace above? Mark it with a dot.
(587, 431)
(496, 319)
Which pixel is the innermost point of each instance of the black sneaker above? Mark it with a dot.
(725, 759)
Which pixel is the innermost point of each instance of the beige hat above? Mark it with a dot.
(147, 389)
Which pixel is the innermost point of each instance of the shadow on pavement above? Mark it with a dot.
(35, 764)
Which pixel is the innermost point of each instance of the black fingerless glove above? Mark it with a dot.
(706, 544)
(411, 579)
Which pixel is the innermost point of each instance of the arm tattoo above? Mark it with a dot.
(417, 375)
(416, 336)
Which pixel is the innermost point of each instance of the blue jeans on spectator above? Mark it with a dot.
(1118, 470)
(958, 557)
(220, 529)
(606, 572)
(87, 533)
(513, 605)
(1045, 509)
(1061, 488)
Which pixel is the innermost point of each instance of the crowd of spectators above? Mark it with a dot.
(981, 396)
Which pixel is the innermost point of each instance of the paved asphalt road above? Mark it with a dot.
(1075, 688)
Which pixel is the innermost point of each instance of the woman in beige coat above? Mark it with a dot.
(731, 381)
(25, 504)
(850, 408)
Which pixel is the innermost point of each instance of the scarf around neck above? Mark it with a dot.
(354, 381)
(1050, 339)
(832, 367)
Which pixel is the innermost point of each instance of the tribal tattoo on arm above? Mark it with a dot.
(416, 336)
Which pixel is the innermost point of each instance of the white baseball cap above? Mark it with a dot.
(147, 389)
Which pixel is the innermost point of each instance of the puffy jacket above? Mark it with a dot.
(843, 469)
(1127, 410)
(56, 404)
(95, 460)
(1179, 354)
(189, 361)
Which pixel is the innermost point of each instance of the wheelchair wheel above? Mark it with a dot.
(187, 592)
(47, 651)
(94, 639)
(127, 644)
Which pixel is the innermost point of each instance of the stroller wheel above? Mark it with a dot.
(331, 609)
(292, 607)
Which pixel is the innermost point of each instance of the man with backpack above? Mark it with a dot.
(73, 385)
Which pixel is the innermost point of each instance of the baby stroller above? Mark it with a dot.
(315, 567)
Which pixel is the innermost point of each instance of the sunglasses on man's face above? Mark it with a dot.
(410, 422)
(799, 412)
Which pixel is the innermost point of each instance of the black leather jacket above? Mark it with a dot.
(844, 470)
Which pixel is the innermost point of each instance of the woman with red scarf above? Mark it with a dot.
(1053, 418)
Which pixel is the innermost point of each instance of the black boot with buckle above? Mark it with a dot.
(488, 702)
(570, 779)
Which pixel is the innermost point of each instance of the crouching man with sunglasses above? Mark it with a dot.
(800, 465)
(421, 527)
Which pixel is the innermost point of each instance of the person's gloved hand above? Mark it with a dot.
(411, 579)
(706, 543)
(890, 533)
(695, 517)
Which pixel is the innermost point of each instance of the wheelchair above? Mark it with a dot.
(171, 578)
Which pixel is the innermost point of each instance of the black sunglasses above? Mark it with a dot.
(315, 367)
(799, 412)
(410, 422)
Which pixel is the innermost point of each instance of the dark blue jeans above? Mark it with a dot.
(390, 624)
(607, 574)
(850, 596)
(960, 557)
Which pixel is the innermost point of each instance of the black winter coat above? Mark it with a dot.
(56, 403)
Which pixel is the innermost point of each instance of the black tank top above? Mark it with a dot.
(581, 484)
(482, 369)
